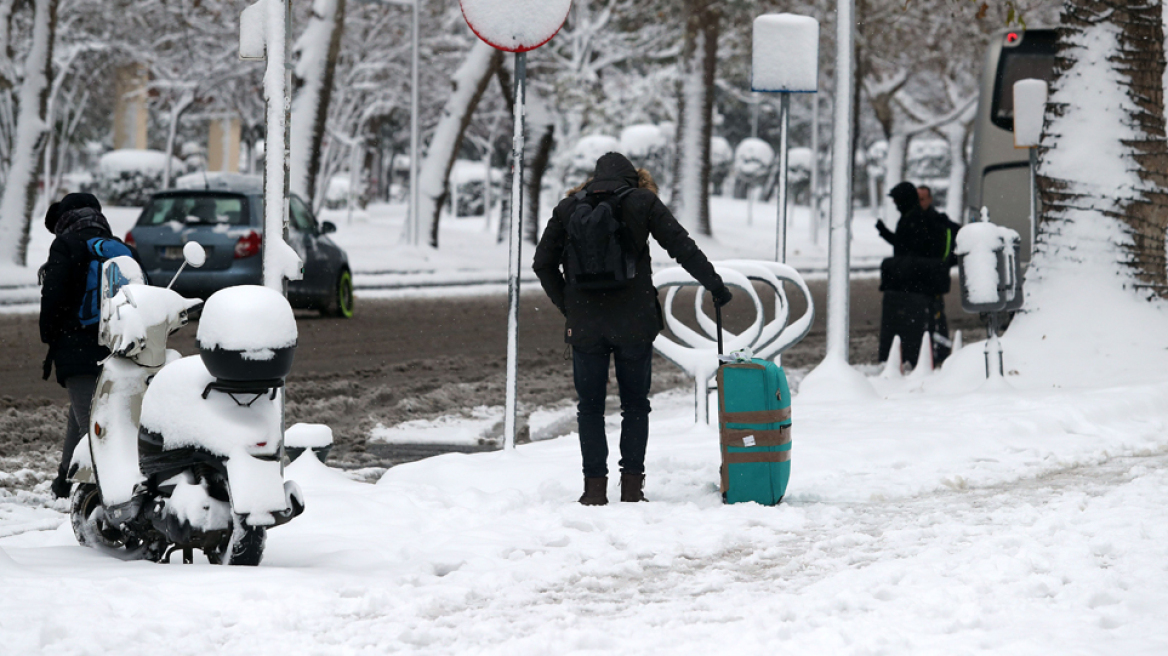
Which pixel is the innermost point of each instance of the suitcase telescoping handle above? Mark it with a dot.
(718, 321)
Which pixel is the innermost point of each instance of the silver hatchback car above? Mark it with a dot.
(226, 219)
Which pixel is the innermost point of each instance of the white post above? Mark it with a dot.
(1033, 198)
(415, 222)
(279, 85)
(784, 162)
(514, 261)
(814, 195)
(840, 235)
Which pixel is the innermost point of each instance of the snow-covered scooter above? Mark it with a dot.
(186, 453)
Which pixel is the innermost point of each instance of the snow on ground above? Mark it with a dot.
(447, 429)
(989, 523)
(941, 517)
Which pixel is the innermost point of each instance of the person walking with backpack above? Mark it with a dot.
(593, 262)
(70, 307)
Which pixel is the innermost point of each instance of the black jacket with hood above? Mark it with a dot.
(630, 315)
(918, 263)
(73, 348)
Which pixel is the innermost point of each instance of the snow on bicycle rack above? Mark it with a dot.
(697, 354)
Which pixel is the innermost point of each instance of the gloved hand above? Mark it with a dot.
(722, 296)
(883, 229)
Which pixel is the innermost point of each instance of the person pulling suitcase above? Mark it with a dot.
(593, 262)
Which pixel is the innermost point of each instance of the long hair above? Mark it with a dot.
(644, 181)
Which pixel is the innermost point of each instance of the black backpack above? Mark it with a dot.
(599, 253)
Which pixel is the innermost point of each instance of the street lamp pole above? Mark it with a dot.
(415, 220)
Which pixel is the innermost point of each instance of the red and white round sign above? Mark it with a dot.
(515, 25)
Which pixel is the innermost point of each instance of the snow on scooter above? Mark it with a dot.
(186, 453)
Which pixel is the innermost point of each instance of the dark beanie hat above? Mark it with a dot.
(51, 217)
(904, 195)
(77, 201)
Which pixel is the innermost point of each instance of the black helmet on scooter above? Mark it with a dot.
(247, 333)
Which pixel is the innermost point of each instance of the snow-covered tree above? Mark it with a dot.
(467, 86)
(24, 116)
(1103, 162)
(316, 53)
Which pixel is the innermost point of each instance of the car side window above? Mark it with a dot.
(301, 217)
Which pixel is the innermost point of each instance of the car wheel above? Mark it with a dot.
(340, 304)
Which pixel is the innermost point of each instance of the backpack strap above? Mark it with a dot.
(632, 253)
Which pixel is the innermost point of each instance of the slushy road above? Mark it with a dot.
(466, 333)
(423, 357)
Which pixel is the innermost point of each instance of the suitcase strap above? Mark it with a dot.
(748, 457)
(757, 416)
(742, 458)
(739, 437)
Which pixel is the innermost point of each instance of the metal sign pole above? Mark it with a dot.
(516, 242)
(415, 221)
(288, 66)
(784, 161)
(814, 169)
(1033, 197)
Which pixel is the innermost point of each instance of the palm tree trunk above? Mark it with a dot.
(1102, 44)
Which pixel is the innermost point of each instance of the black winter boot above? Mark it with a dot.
(633, 487)
(595, 491)
(61, 487)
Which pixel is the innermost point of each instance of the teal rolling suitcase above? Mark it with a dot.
(754, 421)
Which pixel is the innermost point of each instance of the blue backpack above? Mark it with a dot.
(100, 249)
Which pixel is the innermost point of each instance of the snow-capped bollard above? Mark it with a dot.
(317, 438)
(697, 354)
(785, 60)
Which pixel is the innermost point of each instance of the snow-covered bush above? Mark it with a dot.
(799, 173)
(647, 146)
(129, 176)
(752, 160)
(582, 160)
(721, 162)
(468, 185)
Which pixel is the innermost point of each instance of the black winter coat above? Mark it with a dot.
(921, 249)
(625, 316)
(947, 233)
(73, 348)
(916, 235)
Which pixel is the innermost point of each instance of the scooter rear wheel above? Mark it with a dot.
(88, 519)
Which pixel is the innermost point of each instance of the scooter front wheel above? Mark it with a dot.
(245, 546)
(88, 519)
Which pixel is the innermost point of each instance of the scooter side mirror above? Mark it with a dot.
(194, 254)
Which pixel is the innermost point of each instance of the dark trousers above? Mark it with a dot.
(80, 397)
(633, 374)
(911, 315)
(942, 345)
(905, 314)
